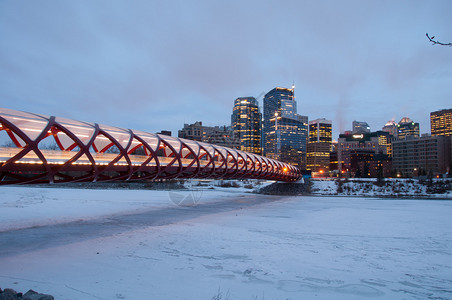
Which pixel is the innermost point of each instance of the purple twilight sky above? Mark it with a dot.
(154, 65)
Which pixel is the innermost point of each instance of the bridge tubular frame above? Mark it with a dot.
(36, 148)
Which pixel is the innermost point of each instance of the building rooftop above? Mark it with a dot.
(390, 123)
(405, 120)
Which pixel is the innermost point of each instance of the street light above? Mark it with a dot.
(277, 135)
(276, 120)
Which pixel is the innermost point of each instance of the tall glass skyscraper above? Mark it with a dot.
(246, 124)
(284, 131)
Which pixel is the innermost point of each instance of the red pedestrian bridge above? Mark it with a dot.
(40, 149)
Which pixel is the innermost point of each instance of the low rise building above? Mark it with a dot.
(428, 154)
(218, 135)
(365, 163)
(193, 131)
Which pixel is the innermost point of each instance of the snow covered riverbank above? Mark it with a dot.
(126, 244)
(440, 189)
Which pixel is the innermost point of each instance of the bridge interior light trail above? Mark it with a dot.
(40, 149)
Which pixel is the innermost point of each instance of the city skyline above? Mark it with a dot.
(156, 66)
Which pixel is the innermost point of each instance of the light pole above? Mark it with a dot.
(277, 135)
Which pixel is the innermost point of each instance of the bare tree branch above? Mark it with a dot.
(431, 39)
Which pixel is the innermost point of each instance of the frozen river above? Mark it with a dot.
(138, 244)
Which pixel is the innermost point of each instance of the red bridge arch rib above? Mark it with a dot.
(40, 149)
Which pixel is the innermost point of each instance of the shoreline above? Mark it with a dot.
(178, 185)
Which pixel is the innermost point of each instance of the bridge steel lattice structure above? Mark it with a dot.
(39, 149)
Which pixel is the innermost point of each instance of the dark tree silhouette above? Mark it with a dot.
(435, 42)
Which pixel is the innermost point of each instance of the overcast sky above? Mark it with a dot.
(154, 65)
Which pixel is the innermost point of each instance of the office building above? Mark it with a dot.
(407, 129)
(319, 145)
(367, 163)
(359, 162)
(291, 141)
(364, 165)
(375, 142)
(246, 124)
(425, 155)
(284, 131)
(193, 131)
(441, 122)
(333, 157)
(381, 166)
(221, 136)
(218, 135)
(360, 127)
(385, 139)
(391, 128)
(165, 132)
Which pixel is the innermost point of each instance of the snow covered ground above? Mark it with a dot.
(138, 244)
(391, 187)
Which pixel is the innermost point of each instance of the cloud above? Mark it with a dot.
(155, 65)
